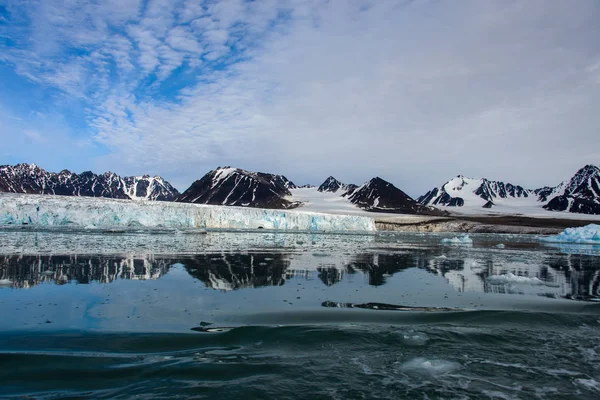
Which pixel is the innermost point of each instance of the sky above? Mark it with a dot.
(415, 92)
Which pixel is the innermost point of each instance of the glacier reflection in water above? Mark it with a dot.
(237, 260)
(268, 315)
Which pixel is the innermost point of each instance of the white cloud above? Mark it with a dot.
(413, 91)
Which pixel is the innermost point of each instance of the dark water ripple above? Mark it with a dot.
(547, 357)
(272, 316)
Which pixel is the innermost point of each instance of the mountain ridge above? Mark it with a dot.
(580, 194)
(230, 186)
(31, 179)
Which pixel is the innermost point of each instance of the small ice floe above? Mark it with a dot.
(500, 245)
(459, 240)
(214, 330)
(414, 338)
(589, 234)
(511, 278)
(5, 282)
(431, 367)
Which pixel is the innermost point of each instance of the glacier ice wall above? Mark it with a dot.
(40, 210)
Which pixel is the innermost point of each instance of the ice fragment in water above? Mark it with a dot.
(460, 240)
(512, 278)
(432, 367)
(589, 234)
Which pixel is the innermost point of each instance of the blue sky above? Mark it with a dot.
(413, 91)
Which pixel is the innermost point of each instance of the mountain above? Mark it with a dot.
(29, 178)
(237, 187)
(333, 185)
(381, 196)
(580, 195)
(461, 191)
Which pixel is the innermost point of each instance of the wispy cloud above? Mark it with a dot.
(413, 91)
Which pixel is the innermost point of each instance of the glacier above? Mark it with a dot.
(87, 212)
(589, 234)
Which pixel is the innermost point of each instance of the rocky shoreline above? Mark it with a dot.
(479, 224)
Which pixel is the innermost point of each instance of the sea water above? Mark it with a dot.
(260, 314)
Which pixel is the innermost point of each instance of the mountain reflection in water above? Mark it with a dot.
(574, 276)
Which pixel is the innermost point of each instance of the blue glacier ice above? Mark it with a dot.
(87, 212)
(589, 234)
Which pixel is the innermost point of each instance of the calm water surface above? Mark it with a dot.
(273, 315)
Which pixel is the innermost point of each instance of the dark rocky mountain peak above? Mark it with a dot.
(333, 185)
(330, 185)
(237, 187)
(381, 196)
(580, 195)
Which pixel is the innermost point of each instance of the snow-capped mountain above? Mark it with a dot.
(29, 178)
(333, 185)
(237, 187)
(460, 191)
(380, 195)
(580, 195)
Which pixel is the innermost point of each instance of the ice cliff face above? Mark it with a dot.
(19, 209)
(237, 187)
(29, 178)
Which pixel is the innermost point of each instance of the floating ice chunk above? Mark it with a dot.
(460, 240)
(589, 234)
(414, 338)
(500, 245)
(511, 278)
(432, 367)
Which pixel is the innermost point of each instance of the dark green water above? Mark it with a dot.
(275, 316)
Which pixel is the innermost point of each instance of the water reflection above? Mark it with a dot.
(27, 271)
(529, 271)
(237, 271)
